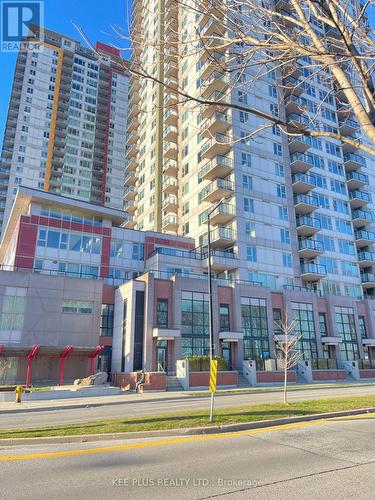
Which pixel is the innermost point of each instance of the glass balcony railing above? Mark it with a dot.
(308, 221)
(312, 268)
(308, 244)
(355, 158)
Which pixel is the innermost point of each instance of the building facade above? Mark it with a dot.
(294, 213)
(66, 125)
(75, 284)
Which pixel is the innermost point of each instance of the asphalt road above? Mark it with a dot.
(332, 459)
(139, 405)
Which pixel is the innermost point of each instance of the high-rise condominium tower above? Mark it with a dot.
(66, 125)
(297, 212)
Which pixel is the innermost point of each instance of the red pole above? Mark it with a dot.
(98, 350)
(32, 354)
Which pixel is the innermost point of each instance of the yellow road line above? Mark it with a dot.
(167, 442)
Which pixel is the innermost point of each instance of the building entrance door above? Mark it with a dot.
(227, 353)
(162, 355)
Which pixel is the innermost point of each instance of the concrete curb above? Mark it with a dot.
(187, 395)
(191, 431)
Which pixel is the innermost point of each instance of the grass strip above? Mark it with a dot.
(197, 418)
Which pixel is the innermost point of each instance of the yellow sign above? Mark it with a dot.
(213, 376)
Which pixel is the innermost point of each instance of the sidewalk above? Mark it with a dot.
(132, 397)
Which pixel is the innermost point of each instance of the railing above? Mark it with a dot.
(363, 214)
(363, 255)
(216, 161)
(354, 157)
(308, 221)
(311, 267)
(293, 117)
(308, 244)
(360, 195)
(368, 278)
(298, 288)
(357, 176)
(306, 199)
(366, 364)
(362, 234)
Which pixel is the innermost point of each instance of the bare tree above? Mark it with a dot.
(4, 367)
(287, 354)
(248, 41)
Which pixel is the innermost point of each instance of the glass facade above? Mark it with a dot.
(254, 323)
(194, 324)
(224, 318)
(304, 327)
(344, 317)
(162, 313)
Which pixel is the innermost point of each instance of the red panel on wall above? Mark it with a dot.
(106, 250)
(26, 242)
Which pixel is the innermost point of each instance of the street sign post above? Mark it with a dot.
(213, 380)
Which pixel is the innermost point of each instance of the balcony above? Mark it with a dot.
(217, 82)
(170, 223)
(295, 104)
(359, 198)
(212, 26)
(216, 62)
(130, 207)
(223, 214)
(312, 272)
(364, 238)
(309, 249)
(217, 190)
(134, 99)
(356, 180)
(134, 111)
(348, 127)
(353, 161)
(305, 204)
(351, 148)
(302, 183)
(293, 69)
(223, 236)
(170, 204)
(221, 261)
(220, 166)
(130, 179)
(366, 259)
(362, 217)
(171, 69)
(297, 121)
(344, 110)
(133, 137)
(130, 223)
(170, 168)
(170, 99)
(283, 5)
(222, 101)
(130, 193)
(131, 151)
(170, 151)
(217, 123)
(170, 186)
(300, 163)
(307, 226)
(368, 280)
(171, 117)
(132, 164)
(292, 86)
(220, 144)
(171, 133)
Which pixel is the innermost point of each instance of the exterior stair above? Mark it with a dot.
(242, 381)
(173, 384)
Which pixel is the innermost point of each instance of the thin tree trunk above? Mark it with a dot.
(285, 383)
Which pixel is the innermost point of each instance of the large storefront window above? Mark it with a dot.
(254, 323)
(304, 327)
(194, 324)
(345, 325)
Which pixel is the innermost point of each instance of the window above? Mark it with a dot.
(345, 326)
(284, 236)
(224, 318)
(277, 327)
(254, 323)
(303, 316)
(106, 320)
(13, 311)
(246, 160)
(283, 213)
(322, 325)
(77, 307)
(251, 254)
(162, 313)
(280, 190)
(248, 205)
(194, 324)
(362, 327)
(247, 182)
(287, 259)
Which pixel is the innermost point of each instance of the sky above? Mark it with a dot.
(95, 17)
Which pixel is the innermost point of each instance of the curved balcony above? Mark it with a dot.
(362, 218)
(312, 272)
(130, 193)
(223, 214)
(170, 168)
(366, 259)
(293, 68)
(299, 144)
(305, 204)
(292, 85)
(171, 117)
(170, 151)
(130, 179)
(220, 144)
(353, 161)
(130, 207)
(216, 62)
(297, 121)
(295, 104)
(218, 167)
(217, 190)
(356, 180)
(348, 127)
(217, 123)
(302, 183)
(364, 238)
(307, 226)
(217, 82)
(300, 163)
(308, 248)
(358, 198)
(171, 133)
